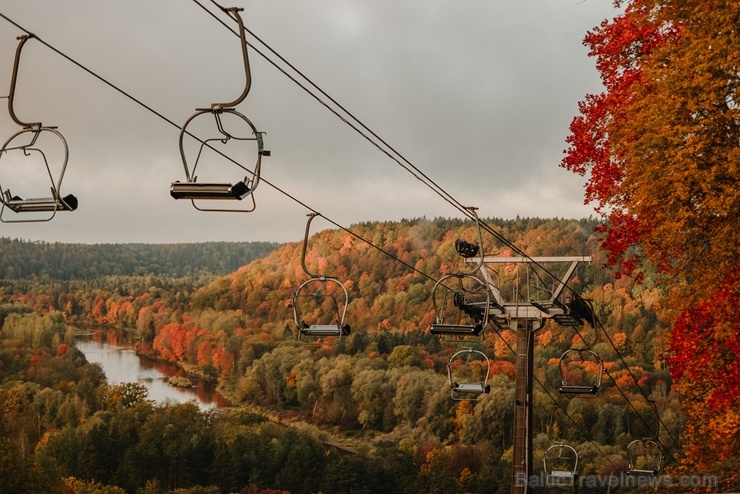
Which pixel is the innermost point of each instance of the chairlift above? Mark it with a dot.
(322, 298)
(568, 386)
(31, 150)
(195, 190)
(464, 310)
(560, 463)
(466, 386)
(645, 457)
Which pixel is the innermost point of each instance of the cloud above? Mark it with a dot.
(477, 94)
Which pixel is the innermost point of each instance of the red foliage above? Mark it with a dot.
(36, 359)
(503, 367)
(619, 46)
(705, 345)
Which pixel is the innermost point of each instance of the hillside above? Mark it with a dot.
(385, 385)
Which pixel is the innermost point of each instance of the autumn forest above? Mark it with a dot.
(379, 396)
(655, 324)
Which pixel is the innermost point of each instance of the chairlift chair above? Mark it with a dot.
(645, 457)
(567, 386)
(328, 299)
(469, 303)
(195, 190)
(318, 290)
(560, 463)
(27, 152)
(470, 389)
(472, 301)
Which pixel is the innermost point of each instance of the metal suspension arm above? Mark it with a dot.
(11, 94)
(311, 216)
(234, 11)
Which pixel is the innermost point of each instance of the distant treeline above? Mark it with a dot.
(24, 259)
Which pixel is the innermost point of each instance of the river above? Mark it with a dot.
(110, 349)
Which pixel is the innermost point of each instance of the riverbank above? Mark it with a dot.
(115, 352)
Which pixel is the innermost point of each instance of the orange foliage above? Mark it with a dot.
(659, 146)
(503, 367)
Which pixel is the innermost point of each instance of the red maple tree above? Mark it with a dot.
(659, 148)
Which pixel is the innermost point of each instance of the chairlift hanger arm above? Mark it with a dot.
(234, 12)
(311, 216)
(11, 95)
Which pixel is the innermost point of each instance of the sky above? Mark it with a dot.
(475, 94)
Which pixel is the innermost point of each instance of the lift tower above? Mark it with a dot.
(532, 296)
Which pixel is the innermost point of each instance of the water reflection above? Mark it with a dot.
(110, 349)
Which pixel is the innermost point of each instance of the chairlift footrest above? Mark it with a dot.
(209, 190)
(322, 330)
(579, 390)
(456, 329)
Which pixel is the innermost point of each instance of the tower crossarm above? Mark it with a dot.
(551, 308)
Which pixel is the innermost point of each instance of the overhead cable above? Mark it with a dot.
(171, 122)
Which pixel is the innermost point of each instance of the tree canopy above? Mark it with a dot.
(659, 147)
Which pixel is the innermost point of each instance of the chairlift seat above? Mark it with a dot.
(583, 355)
(209, 190)
(319, 296)
(212, 190)
(36, 129)
(579, 390)
(561, 474)
(638, 472)
(45, 204)
(468, 391)
(644, 447)
(560, 478)
(319, 330)
(456, 329)
(471, 388)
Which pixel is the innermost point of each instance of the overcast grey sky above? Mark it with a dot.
(477, 94)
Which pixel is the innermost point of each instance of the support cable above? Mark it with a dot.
(583, 433)
(408, 166)
(632, 406)
(634, 379)
(388, 150)
(416, 173)
(171, 122)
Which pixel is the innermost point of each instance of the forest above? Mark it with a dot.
(654, 313)
(372, 412)
(27, 260)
